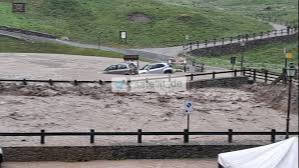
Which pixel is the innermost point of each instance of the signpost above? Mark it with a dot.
(123, 35)
(18, 7)
(188, 109)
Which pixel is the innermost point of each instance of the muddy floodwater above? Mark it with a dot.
(118, 164)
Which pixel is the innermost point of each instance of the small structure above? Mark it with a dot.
(19, 6)
(283, 154)
(132, 58)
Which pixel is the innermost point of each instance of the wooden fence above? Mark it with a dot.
(101, 82)
(254, 74)
(237, 39)
(186, 134)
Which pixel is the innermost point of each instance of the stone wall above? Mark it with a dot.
(219, 82)
(27, 32)
(88, 153)
(235, 47)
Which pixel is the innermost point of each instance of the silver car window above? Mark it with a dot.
(112, 67)
(122, 66)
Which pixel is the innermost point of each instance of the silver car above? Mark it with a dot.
(158, 68)
(122, 68)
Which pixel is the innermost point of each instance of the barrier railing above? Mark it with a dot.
(186, 134)
(239, 38)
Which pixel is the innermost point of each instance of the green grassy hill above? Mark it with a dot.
(8, 45)
(161, 24)
(270, 56)
(285, 11)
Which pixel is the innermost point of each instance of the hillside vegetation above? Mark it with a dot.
(8, 45)
(283, 11)
(150, 23)
(270, 56)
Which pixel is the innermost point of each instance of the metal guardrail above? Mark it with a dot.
(186, 134)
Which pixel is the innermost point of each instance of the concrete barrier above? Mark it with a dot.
(88, 153)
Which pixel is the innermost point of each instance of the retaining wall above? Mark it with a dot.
(88, 153)
(219, 82)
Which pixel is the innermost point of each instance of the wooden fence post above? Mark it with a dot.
(231, 39)
(190, 45)
(139, 136)
(206, 43)
(254, 75)
(42, 136)
(222, 41)
(213, 75)
(230, 135)
(51, 82)
(197, 44)
(92, 136)
(215, 40)
(266, 76)
(75, 82)
(186, 136)
(24, 82)
(192, 77)
(273, 135)
(235, 73)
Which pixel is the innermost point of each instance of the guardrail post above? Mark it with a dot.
(230, 135)
(213, 75)
(51, 82)
(261, 34)
(92, 136)
(190, 45)
(24, 82)
(139, 135)
(222, 41)
(101, 82)
(42, 136)
(273, 134)
(254, 75)
(186, 136)
(215, 40)
(281, 31)
(192, 77)
(266, 76)
(206, 43)
(197, 44)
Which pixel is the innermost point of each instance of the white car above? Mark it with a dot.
(158, 68)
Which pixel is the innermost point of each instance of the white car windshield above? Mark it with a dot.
(145, 67)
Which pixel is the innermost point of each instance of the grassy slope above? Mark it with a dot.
(281, 10)
(13, 45)
(269, 57)
(82, 20)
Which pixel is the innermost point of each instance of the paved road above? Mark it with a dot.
(155, 54)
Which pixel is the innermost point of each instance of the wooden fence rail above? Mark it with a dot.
(252, 73)
(186, 134)
(237, 39)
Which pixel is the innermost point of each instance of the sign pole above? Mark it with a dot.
(188, 121)
(188, 108)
